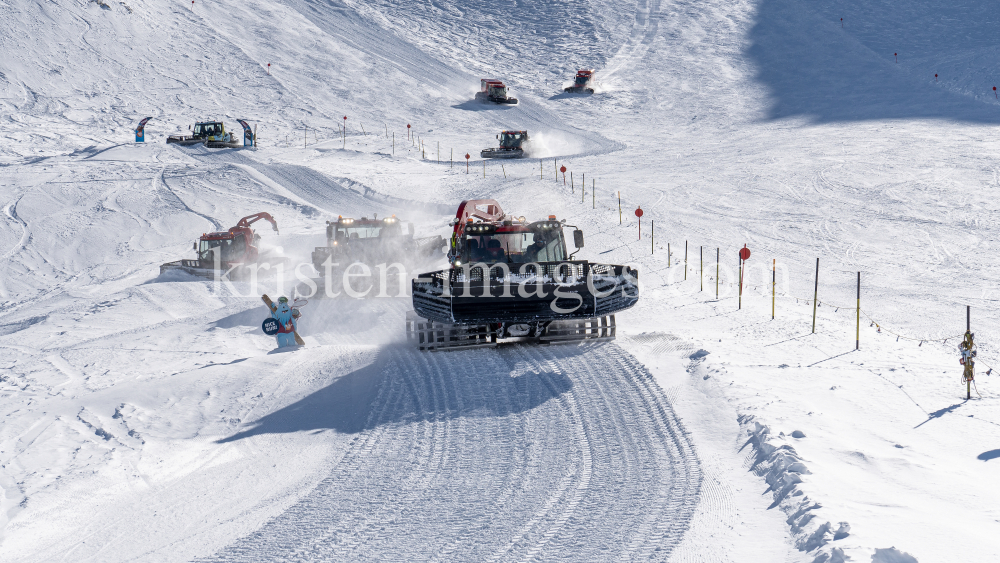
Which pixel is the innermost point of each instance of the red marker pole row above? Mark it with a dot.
(563, 170)
(638, 213)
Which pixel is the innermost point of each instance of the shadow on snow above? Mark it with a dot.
(403, 386)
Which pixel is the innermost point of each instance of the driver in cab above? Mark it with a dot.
(537, 247)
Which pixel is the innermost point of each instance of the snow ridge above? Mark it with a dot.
(782, 469)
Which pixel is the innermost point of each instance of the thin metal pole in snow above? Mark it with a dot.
(815, 296)
(740, 305)
(857, 335)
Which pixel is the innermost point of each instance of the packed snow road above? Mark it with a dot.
(521, 453)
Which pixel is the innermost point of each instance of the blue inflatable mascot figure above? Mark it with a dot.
(282, 312)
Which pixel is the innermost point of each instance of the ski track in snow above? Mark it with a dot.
(460, 448)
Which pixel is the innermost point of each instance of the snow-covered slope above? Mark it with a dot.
(145, 419)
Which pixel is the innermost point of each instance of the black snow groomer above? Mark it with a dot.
(513, 279)
(512, 145)
(210, 133)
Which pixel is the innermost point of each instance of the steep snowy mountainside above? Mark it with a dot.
(146, 417)
(816, 68)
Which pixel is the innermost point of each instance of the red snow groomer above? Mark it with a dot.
(493, 90)
(227, 253)
(513, 279)
(583, 82)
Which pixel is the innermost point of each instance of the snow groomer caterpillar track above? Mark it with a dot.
(510, 279)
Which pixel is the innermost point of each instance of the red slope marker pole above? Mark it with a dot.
(935, 78)
(897, 56)
(841, 23)
(269, 69)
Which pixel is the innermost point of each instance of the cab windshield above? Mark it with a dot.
(368, 231)
(208, 129)
(581, 80)
(515, 248)
(511, 140)
(232, 250)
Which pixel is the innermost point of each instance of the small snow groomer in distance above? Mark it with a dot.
(373, 241)
(493, 90)
(512, 145)
(227, 253)
(513, 279)
(582, 82)
(212, 133)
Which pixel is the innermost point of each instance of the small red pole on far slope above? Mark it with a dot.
(466, 161)
(638, 213)
(935, 78)
(841, 23)
(563, 170)
(268, 66)
(897, 56)
(408, 132)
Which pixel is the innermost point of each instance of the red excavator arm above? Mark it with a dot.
(251, 219)
(485, 209)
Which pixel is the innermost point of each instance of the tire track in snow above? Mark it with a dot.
(460, 446)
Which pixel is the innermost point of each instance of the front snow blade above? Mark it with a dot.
(501, 152)
(585, 290)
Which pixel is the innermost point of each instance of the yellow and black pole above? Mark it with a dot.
(968, 354)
